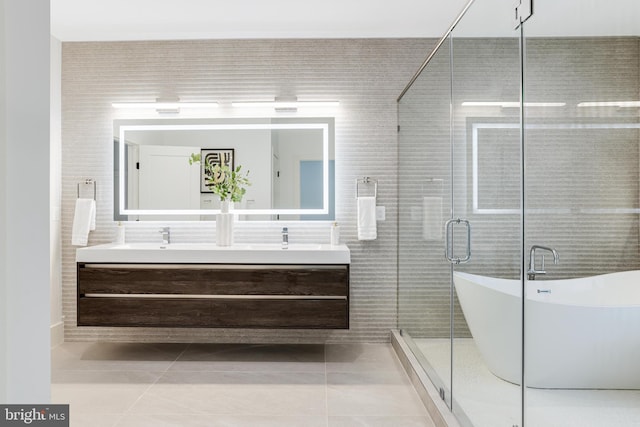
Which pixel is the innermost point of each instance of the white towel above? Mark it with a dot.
(92, 226)
(83, 218)
(367, 218)
(432, 218)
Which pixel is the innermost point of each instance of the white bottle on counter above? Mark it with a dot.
(119, 234)
(335, 234)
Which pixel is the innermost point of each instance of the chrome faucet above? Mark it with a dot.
(532, 272)
(166, 235)
(285, 238)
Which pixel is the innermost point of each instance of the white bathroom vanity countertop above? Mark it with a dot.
(253, 253)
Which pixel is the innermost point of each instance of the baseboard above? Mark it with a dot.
(57, 334)
(440, 413)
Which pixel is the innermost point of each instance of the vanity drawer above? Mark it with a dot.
(213, 279)
(214, 313)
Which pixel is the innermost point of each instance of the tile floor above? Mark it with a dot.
(127, 384)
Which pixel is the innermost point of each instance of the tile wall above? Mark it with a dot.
(365, 75)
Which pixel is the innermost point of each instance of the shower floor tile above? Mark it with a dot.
(489, 401)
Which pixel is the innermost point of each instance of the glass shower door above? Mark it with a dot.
(460, 218)
(486, 167)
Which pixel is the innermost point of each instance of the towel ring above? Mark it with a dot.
(367, 181)
(88, 181)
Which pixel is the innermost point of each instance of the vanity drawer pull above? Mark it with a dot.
(217, 266)
(199, 296)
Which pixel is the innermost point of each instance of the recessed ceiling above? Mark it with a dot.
(95, 20)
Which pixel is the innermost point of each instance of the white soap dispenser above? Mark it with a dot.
(335, 234)
(120, 233)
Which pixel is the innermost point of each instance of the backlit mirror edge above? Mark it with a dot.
(122, 214)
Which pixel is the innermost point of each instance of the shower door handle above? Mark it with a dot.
(448, 251)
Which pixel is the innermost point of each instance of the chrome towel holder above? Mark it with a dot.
(362, 183)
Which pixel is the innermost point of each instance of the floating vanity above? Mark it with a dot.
(204, 285)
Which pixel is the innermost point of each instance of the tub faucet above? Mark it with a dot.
(285, 238)
(531, 273)
(166, 235)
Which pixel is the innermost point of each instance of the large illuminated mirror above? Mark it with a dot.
(290, 163)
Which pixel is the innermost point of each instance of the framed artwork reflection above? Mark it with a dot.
(213, 157)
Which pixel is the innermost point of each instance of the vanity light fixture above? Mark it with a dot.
(511, 104)
(619, 104)
(286, 105)
(165, 106)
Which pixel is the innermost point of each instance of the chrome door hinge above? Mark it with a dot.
(523, 11)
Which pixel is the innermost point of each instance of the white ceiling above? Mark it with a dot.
(92, 20)
(101, 20)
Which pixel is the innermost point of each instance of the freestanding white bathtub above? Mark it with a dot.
(580, 333)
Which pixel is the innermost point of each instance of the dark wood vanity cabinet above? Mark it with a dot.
(213, 295)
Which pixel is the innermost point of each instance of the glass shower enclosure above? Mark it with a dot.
(519, 195)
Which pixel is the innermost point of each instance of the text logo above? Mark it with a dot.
(34, 415)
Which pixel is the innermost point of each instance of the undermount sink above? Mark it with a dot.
(253, 253)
